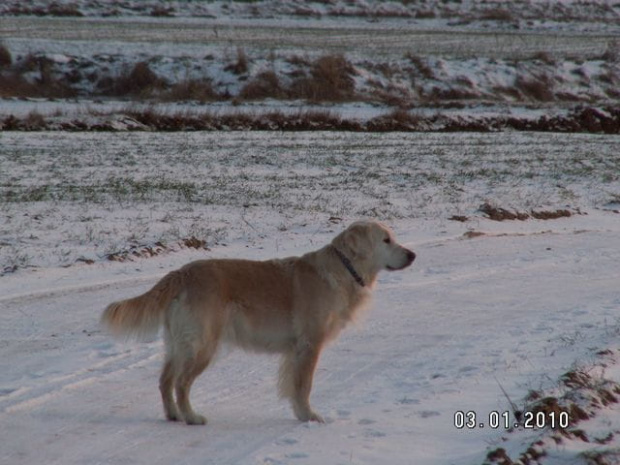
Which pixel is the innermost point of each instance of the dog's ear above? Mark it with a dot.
(353, 241)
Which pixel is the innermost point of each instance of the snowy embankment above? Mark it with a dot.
(490, 313)
(55, 76)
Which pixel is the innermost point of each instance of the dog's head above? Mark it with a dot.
(371, 246)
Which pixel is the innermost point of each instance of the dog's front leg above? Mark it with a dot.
(306, 358)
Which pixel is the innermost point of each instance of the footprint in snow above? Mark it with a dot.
(366, 421)
(7, 391)
(343, 414)
(286, 442)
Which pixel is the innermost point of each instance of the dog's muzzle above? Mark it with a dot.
(410, 258)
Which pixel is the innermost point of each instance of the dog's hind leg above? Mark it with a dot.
(168, 377)
(166, 385)
(191, 369)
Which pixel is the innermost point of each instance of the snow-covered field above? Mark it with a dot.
(487, 307)
(471, 55)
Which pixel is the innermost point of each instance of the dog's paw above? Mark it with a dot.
(310, 415)
(196, 419)
(316, 417)
(173, 415)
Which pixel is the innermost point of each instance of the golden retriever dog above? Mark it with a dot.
(291, 306)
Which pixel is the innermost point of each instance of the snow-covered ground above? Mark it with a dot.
(512, 309)
(493, 317)
(487, 307)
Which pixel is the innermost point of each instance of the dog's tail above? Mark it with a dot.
(140, 317)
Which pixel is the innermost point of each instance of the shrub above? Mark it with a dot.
(612, 52)
(162, 12)
(140, 81)
(422, 66)
(264, 85)
(47, 84)
(497, 14)
(331, 79)
(242, 65)
(397, 120)
(536, 87)
(199, 90)
(6, 59)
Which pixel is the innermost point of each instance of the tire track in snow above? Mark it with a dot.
(48, 388)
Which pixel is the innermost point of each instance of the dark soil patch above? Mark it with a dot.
(585, 395)
(159, 248)
(501, 214)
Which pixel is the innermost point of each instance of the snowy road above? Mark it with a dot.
(518, 306)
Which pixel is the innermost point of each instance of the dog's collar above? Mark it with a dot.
(349, 266)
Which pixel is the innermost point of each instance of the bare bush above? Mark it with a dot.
(612, 52)
(497, 14)
(545, 57)
(200, 90)
(140, 81)
(53, 9)
(422, 66)
(397, 120)
(539, 87)
(331, 79)
(263, 85)
(6, 59)
(242, 65)
(47, 84)
(162, 12)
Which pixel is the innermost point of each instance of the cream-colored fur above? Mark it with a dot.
(290, 306)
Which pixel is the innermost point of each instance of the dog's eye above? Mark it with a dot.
(387, 240)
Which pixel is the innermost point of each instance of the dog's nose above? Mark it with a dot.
(410, 256)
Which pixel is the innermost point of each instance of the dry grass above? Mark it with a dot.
(421, 64)
(263, 85)
(585, 395)
(539, 88)
(140, 81)
(6, 59)
(587, 120)
(331, 79)
(497, 14)
(612, 52)
(191, 90)
(242, 65)
(397, 120)
(502, 214)
(46, 85)
(328, 78)
(53, 9)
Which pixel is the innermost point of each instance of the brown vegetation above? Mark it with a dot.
(331, 79)
(585, 395)
(591, 120)
(539, 88)
(264, 85)
(139, 81)
(501, 214)
(46, 84)
(191, 90)
(158, 248)
(242, 65)
(6, 59)
(53, 9)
